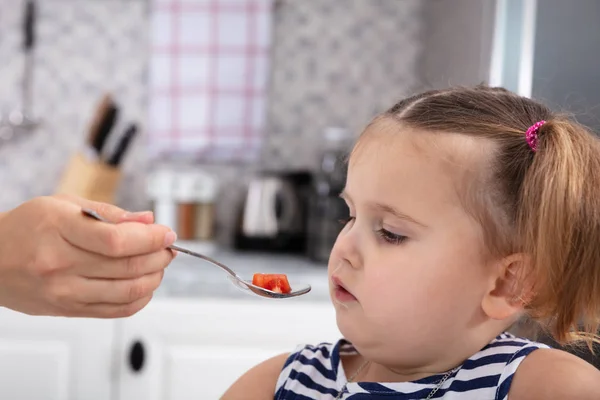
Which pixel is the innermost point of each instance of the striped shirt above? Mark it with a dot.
(316, 372)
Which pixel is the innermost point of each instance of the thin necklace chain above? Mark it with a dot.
(441, 383)
(363, 366)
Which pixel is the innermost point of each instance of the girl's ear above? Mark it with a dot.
(508, 293)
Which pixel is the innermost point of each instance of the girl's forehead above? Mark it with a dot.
(394, 159)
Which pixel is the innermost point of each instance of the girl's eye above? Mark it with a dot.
(390, 237)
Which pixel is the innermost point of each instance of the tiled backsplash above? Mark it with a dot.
(334, 63)
(83, 49)
(337, 63)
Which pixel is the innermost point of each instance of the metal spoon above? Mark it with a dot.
(233, 277)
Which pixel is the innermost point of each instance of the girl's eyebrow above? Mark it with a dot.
(386, 209)
(391, 210)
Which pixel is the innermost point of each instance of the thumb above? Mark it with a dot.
(109, 211)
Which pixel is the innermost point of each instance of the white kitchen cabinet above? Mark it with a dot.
(45, 358)
(187, 349)
(195, 350)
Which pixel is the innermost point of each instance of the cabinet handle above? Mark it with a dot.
(137, 356)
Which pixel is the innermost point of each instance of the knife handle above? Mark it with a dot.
(123, 145)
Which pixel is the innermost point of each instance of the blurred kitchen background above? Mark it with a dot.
(229, 119)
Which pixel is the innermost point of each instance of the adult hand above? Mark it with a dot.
(56, 261)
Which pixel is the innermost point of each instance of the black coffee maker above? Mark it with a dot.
(273, 215)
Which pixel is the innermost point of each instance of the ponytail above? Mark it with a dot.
(559, 226)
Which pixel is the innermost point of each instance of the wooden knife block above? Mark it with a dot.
(92, 180)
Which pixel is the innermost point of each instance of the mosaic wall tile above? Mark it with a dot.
(83, 49)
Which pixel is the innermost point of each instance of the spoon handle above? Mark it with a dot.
(203, 257)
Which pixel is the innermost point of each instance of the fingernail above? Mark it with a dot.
(170, 238)
(137, 214)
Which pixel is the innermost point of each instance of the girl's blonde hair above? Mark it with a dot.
(544, 204)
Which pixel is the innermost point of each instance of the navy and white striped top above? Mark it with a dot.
(315, 372)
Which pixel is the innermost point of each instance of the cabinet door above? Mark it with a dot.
(54, 358)
(197, 349)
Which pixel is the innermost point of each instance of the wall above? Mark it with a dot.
(84, 48)
(337, 63)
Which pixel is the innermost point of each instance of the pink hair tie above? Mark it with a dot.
(532, 134)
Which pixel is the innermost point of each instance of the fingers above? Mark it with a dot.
(78, 292)
(109, 211)
(120, 291)
(115, 240)
(97, 266)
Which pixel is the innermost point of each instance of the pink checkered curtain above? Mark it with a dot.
(209, 67)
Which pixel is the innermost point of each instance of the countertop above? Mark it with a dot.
(191, 277)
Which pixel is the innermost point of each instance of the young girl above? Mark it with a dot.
(470, 207)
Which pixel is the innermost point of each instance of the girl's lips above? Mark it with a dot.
(340, 292)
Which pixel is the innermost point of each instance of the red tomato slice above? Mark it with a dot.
(274, 282)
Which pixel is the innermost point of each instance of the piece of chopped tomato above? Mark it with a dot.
(274, 282)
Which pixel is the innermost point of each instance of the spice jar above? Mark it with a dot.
(195, 195)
